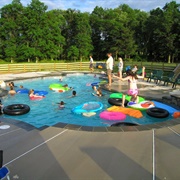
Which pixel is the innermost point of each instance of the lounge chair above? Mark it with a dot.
(4, 171)
(156, 75)
(167, 79)
(176, 81)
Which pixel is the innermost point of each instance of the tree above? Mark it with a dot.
(32, 37)
(53, 39)
(10, 29)
(162, 26)
(82, 38)
(97, 22)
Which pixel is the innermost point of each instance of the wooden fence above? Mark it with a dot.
(75, 66)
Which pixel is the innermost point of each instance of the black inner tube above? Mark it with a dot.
(124, 124)
(157, 112)
(16, 109)
(117, 101)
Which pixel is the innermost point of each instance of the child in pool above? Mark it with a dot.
(12, 91)
(73, 94)
(132, 85)
(31, 94)
(98, 91)
(61, 105)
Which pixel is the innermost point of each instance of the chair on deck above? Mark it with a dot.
(168, 79)
(4, 171)
(156, 75)
(176, 81)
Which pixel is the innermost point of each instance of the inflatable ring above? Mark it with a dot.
(88, 107)
(58, 88)
(127, 97)
(157, 112)
(112, 116)
(124, 124)
(95, 84)
(16, 109)
(36, 97)
(142, 105)
(117, 101)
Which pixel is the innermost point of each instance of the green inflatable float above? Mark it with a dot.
(128, 98)
(58, 87)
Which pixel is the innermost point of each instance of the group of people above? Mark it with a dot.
(131, 77)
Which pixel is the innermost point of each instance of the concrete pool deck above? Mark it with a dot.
(53, 152)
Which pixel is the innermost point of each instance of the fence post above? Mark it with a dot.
(163, 66)
(24, 68)
(8, 68)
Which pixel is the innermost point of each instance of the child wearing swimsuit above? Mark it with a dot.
(132, 83)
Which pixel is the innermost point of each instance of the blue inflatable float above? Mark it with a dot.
(88, 107)
(170, 109)
(37, 92)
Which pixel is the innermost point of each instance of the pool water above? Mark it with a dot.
(46, 111)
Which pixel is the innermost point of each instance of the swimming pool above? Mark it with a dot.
(46, 111)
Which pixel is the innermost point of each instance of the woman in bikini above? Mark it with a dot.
(132, 85)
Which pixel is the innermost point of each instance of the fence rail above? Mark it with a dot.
(80, 66)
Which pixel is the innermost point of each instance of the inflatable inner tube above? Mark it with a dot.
(112, 116)
(117, 101)
(88, 107)
(124, 124)
(16, 109)
(157, 112)
(127, 97)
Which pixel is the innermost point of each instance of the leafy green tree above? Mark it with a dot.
(73, 53)
(169, 23)
(97, 22)
(141, 36)
(82, 38)
(53, 39)
(10, 29)
(162, 26)
(32, 37)
(77, 32)
(68, 31)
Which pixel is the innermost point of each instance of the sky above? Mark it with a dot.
(89, 5)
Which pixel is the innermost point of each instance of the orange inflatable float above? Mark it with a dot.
(176, 114)
(128, 111)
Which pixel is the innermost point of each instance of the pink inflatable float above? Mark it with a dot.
(112, 116)
(36, 97)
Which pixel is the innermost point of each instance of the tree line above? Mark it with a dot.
(32, 33)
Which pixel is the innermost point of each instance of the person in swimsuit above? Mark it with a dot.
(97, 91)
(132, 85)
(31, 94)
(61, 105)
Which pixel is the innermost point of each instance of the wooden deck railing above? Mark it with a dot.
(76, 66)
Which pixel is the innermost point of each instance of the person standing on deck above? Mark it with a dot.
(91, 64)
(109, 66)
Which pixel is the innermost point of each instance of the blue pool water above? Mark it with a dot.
(46, 111)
